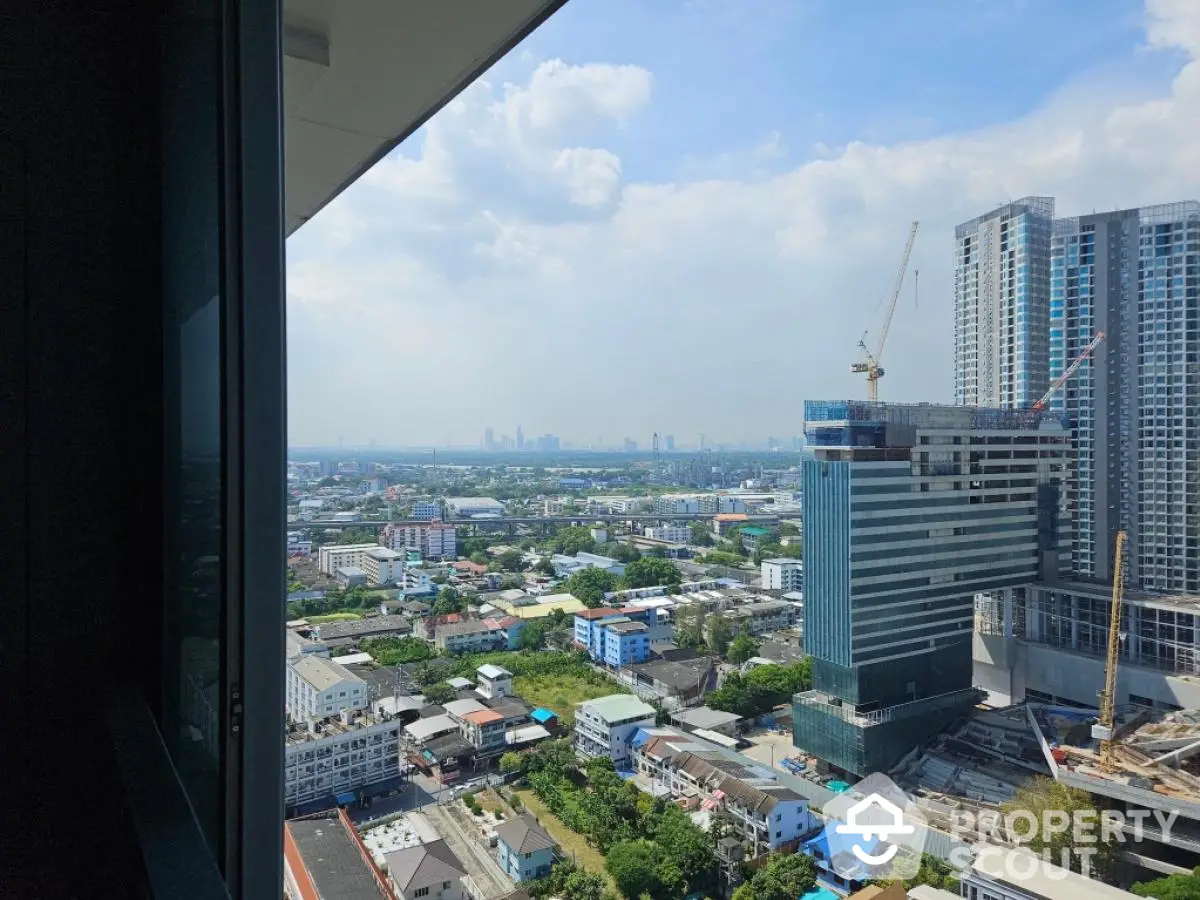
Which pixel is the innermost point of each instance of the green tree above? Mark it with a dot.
(479, 558)
(556, 618)
(533, 635)
(544, 566)
(449, 600)
(701, 534)
(583, 885)
(689, 625)
(572, 539)
(639, 867)
(720, 633)
(510, 762)
(511, 561)
(621, 552)
(395, 651)
(590, 585)
(439, 693)
(357, 536)
(1173, 887)
(685, 845)
(742, 647)
(785, 876)
(1041, 795)
(651, 572)
(787, 529)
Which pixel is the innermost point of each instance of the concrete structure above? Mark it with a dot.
(417, 582)
(470, 507)
(762, 617)
(592, 633)
(1017, 874)
(323, 857)
(1135, 275)
(763, 812)
(318, 687)
(351, 577)
(340, 754)
(332, 557)
(383, 566)
(910, 511)
(604, 726)
(425, 510)
(298, 646)
(494, 681)
(1001, 305)
(783, 574)
(426, 872)
(523, 848)
(529, 607)
(672, 532)
(565, 566)
(478, 635)
(432, 539)
(675, 504)
(723, 522)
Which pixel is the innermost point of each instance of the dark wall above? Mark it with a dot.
(80, 424)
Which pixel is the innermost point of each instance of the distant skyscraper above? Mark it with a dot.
(630, 445)
(1134, 408)
(489, 439)
(1001, 305)
(520, 438)
(909, 511)
(548, 443)
(669, 443)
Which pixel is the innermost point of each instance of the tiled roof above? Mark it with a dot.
(524, 835)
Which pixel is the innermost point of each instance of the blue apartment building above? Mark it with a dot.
(614, 637)
(523, 848)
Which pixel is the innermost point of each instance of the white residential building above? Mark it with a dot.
(417, 581)
(782, 574)
(469, 507)
(676, 504)
(425, 510)
(346, 556)
(604, 726)
(565, 566)
(494, 681)
(318, 687)
(383, 566)
(323, 759)
(671, 532)
(433, 540)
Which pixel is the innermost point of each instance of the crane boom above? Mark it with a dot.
(1106, 724)
(1071, 370)
(870, 365)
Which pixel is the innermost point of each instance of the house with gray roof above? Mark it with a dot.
(427, 870)
(524, 849)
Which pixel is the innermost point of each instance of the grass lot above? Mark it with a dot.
(572, 845)
(561, 692)
(490, 801)
(334, 617)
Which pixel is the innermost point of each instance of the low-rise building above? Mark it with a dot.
(471, 507)
(478, 635)
(417, 582)
(494, 681)
(754, 536)
(426, 872)
(523, 848)
(783, 574)
(326, 759)
(383, 565)
(332, 557)
(298, 645)
(425, 509)
(672, 532)
(323, 857)
(683, 680)
(1000, 873)
(761, 811)
(350, 577)
(702, 718)
(318, 687)
(340, 634)
(603, 633)
(603, 726)
(723, 522)
(762, 617)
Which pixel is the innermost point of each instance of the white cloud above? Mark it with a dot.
(510, 250)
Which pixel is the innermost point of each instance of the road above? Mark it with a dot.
(453, 823)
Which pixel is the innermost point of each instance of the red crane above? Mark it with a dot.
(1071, 369)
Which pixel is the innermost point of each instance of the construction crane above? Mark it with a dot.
(1071, 370)
(1105, 726)
(869, 365)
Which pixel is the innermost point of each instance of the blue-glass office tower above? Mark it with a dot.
(909, 511)
(1001, 299)
(1134, 408)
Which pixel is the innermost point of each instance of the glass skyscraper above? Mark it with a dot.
(1134, 407)
(910, 510)
(1001, 289)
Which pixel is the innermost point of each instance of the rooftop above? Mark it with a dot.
(385, 553)
(483, 717)
(627, 627)
(422, 865)
(523, 835)
(489, 671)
(461, 707)
(424, 730)
(331, 856)
(784, 561)
(600, 612)
(1040, 878)
(618, 707)
(322, 674)
(370, 625)
(703, 717)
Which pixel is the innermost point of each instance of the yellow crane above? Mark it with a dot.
(869, 365)
(1106, 725)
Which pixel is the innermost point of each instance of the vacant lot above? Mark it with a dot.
(573, 846)
(769, 748)
(562, 693)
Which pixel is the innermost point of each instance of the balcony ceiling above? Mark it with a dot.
(362, 75)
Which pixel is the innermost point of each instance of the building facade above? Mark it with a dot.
(783, 574)
(332, 557)
(672, 532)
(325, 759)
(604, 726)
(425, 510)
(1001, 305)
(383, 565)
(523, 848)
(432, 539)
(318, 687)
(1134, 406)
(910, 511)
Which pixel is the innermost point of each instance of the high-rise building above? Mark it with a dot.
(489, 439)
(1134, 406)
(520, 438)
(630, 445)
(1001, 305)
(910, 510)
(669, 443)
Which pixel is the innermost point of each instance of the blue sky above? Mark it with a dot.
(649, 189)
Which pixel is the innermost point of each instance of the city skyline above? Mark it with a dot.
(619, 267)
